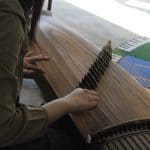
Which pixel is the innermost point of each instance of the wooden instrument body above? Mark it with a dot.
(122, 99)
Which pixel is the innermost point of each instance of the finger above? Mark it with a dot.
(91, 92)
(93, 105)
(29, 54)
(38, 58)
(94, 98)
(34, 68)
(29, 72)
(94, 93)
(79, 89)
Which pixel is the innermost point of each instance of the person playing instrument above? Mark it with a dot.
(19, 123)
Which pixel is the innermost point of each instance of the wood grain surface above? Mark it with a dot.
(122, 99)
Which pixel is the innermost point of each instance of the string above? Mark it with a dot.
(99, 85)
(70, 91)
(59, 43)
(134, 70)
(103, 64)
(130, 66)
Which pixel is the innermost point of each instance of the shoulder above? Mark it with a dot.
(12, 6)
(12, 19)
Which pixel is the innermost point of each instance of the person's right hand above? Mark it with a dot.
(77, 101)
(81, 100)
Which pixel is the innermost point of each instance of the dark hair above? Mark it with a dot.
(37, 7)
(32, 8)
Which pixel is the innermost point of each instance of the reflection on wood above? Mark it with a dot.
(121, 97)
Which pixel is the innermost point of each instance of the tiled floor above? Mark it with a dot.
(31, 94)
(85, 22)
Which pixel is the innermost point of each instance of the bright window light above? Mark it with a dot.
(139, 4)
(129, 18)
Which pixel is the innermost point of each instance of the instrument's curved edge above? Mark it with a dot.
(136, 132)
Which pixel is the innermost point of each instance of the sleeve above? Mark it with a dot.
(18, 123)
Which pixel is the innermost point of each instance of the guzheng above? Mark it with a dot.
(122, 118)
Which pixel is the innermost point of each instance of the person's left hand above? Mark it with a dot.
(29, 64)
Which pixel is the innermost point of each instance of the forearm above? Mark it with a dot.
(22, 125)
(56, 109)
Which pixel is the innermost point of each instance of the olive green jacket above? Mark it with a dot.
(18, 123)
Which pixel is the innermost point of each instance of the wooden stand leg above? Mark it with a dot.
(49, 5)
